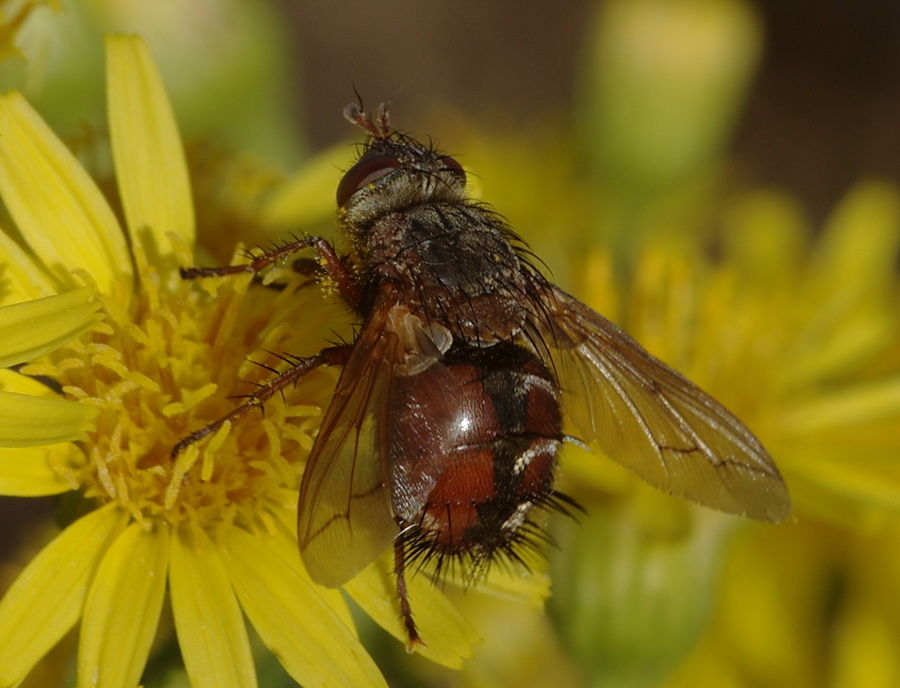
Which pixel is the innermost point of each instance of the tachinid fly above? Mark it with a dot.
(469, 371)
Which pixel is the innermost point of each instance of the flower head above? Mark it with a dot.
(799, 337)
(217, 524)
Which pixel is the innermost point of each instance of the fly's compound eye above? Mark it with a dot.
(364, 173)
(451, 165)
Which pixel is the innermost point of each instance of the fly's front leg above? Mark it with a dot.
(330, 261)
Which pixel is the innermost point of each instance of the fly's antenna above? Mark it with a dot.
(378, 126)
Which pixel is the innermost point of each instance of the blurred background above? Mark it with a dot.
(719, 176)
(820, 109)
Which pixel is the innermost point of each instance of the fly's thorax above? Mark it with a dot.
(404, 211)
(454, 265)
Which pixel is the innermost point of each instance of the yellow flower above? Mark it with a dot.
(218, 524)
(800, 338)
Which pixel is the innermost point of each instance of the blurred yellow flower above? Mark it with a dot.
(799, 337)
(218, 524)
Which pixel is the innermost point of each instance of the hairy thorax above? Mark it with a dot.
(453, 267)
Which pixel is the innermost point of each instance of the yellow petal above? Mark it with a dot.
(122, 610)
(857, 256)
(46, 599)
(33, 328)
(208, 620)
(524, 581)
(765, 237)
(863, 495)
(27, 421)
(448, 636)
(850, 288)
(284, 543)
(150, 164)
(14, 381)
(530, 587)
(311, 641)
(22, 279)
(857, 405)
(307, 197)
(57, 207)
(28, 472)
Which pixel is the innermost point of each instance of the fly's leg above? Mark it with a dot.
(329, 260)
(334, 355)
(413, 638)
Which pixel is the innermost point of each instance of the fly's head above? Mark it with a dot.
(393, 173)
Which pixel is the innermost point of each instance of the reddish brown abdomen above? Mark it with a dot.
(473, 449)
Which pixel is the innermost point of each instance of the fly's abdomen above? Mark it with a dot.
(474, 441)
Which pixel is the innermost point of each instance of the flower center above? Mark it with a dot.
(169, 364)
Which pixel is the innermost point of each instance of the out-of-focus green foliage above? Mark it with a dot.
(236, 50)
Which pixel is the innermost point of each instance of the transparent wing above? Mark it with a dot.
(652, 420)
(344, 519)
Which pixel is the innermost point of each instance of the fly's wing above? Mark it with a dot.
(652, 420)
(345, 519)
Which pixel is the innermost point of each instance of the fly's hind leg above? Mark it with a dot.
(413, 639)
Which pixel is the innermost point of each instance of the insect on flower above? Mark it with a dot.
(443, 433)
